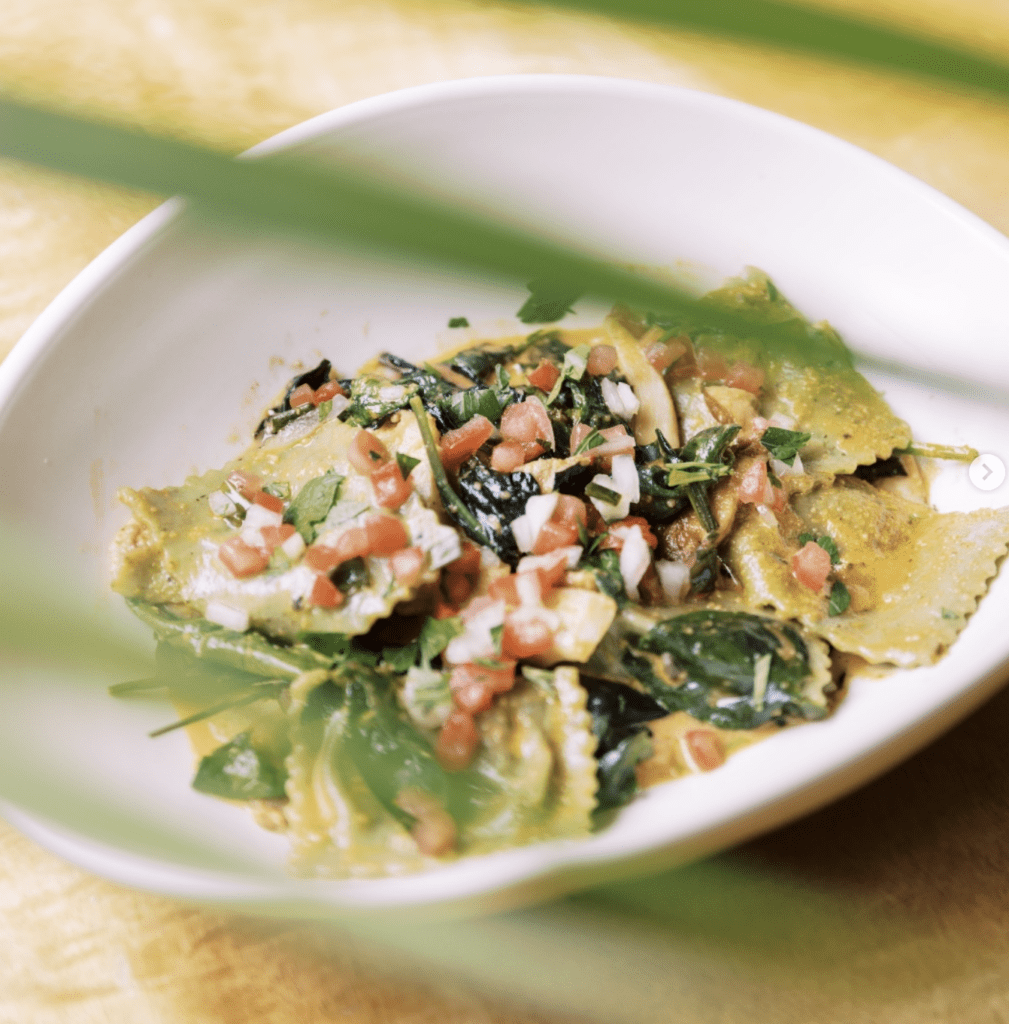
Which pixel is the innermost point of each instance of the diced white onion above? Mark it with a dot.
(674, 577)
(254, 538)
(476, 641)
(625, 476)
(222, 504)
(572, 556)
(225, 615)
(258, 517)
(623, 480)
(619, 398)
(340, 403)
(782, 469)
(527, 586)
(634, 559)
(526, 528)
(767, 517)
(427, 697)
(629, 399)
(293, 546)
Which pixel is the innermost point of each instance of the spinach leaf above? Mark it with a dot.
(619, 714)
(476, 401)
(275, 418)
(617, 780)
(247, 652)
(784, 444)
(477, 362)
(351, 575)
(605, 565)
(238, 771)
(312, 503)
(323, 702)
(881, 469)
(388, 751)
(706, 665)
(373, 399)
(548, 301)
(839, 598)
(494, 500)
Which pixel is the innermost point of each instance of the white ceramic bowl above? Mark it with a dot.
(158, 359)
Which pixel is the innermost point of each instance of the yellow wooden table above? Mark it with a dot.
(929, 841)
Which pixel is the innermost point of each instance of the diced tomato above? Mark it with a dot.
(570, 511)
(499, 676)
(242, 559)
(407, 565)
(270, 501)
(811, 565)
(327, 392)
(324, 594)
(474, 686)
(247, 484)
(705, 749)
(618, 442)
(525, 636)
(322, 558)
(602, 360)
(712, 365)
(352, 543)
(301, 395)
(444, 610)
(456, 588)
(509, 455)
(545, 376)
(554, 535)
(458, 445)
(614, 539)
(274, 536)
(528, 422)
(754, 485)
(468, 563)
(366, 452)
(391, 490)
(386, 534)
(579, 432)
(662, 354)
(746, 377)
(503, 589)
(457, 741)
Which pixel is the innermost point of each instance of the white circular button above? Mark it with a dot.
(987, 472)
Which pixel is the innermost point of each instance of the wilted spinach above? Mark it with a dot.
(714, 656)
(312, 503)
(494, 500)
(619, 714)
(280, 415)
(239, 771)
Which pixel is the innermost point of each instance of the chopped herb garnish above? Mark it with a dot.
(592, 440)
(458, 321)
(279, 489)
(406, 464)
(784, 444)
(238, 771)
(604, 494)
(312, 503)
(839, 598)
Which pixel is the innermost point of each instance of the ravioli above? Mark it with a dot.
(420, 628)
